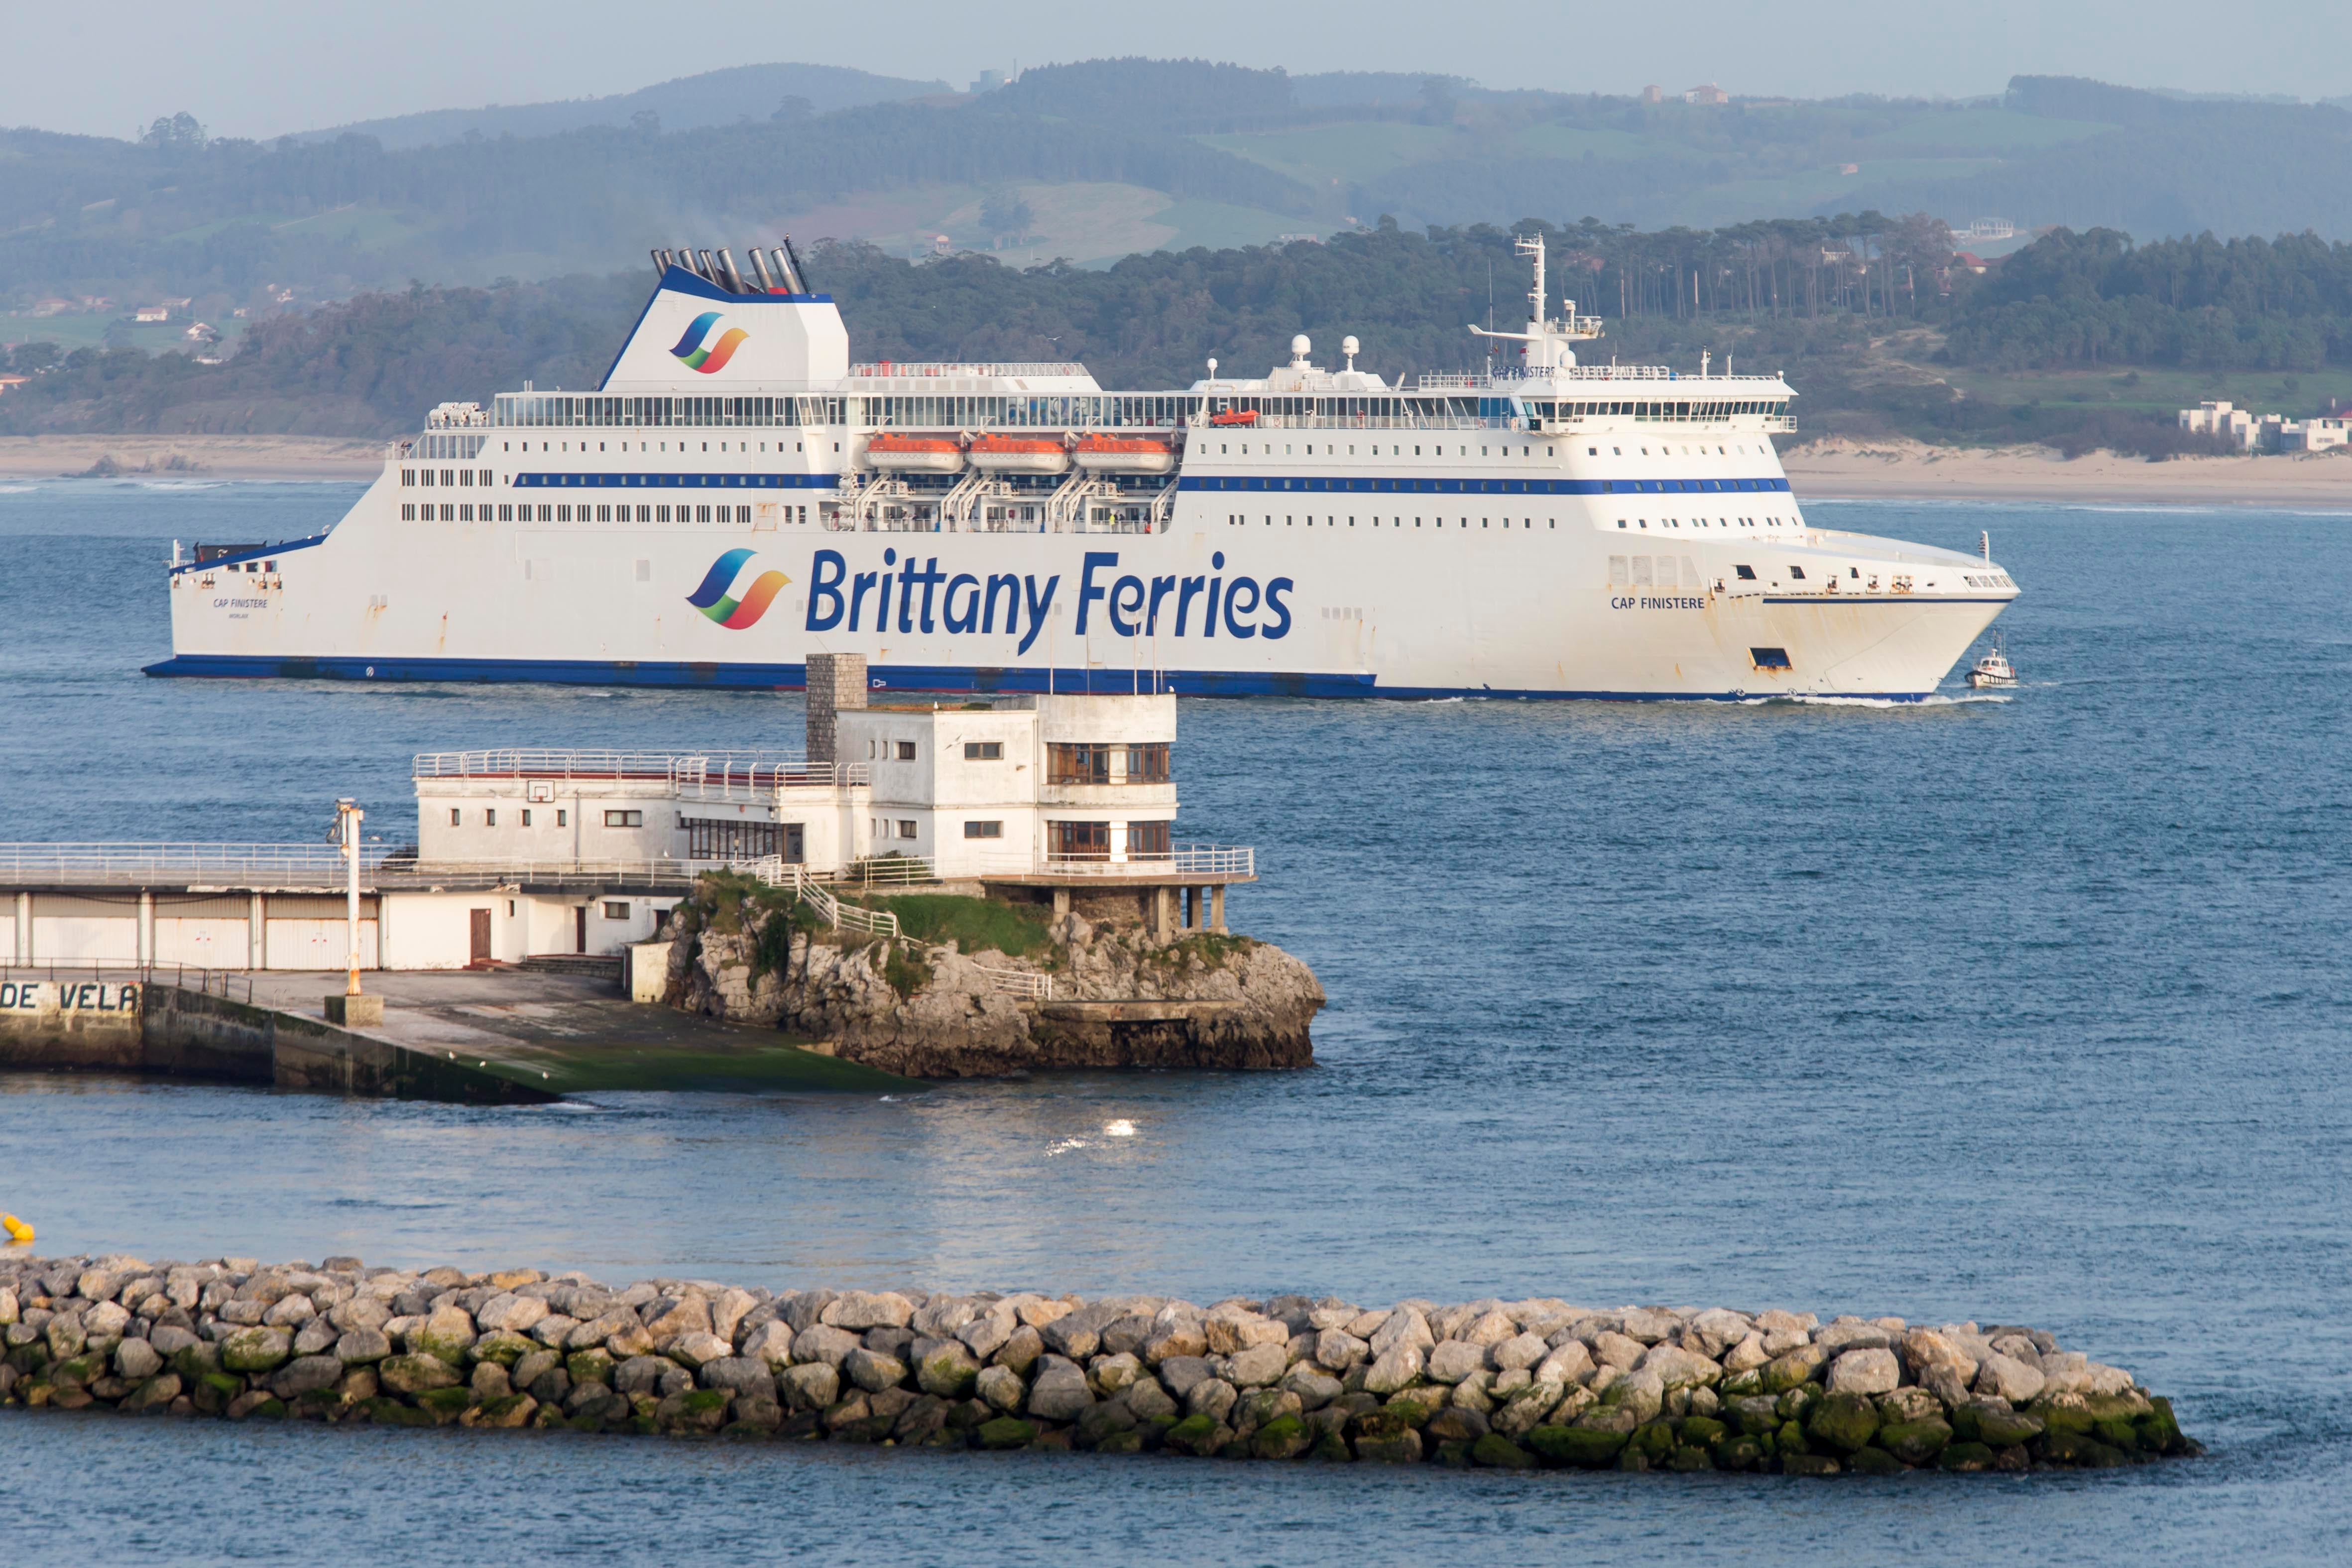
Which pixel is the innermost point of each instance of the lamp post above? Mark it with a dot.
(351, 1009)
(348, 814)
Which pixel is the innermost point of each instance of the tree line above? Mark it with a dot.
(1808, 295)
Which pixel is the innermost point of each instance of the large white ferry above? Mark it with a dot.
(737, 495)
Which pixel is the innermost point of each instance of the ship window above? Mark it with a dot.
(1797, 572)
(1854, 571)
(408, 513)
(983, 830)
(661, 514)
(408, 475)
(603, 514)
(625, 819)
(983, 752)
(1747, 573)
(506, 513)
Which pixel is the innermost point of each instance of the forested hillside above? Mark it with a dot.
(1854, 308)
(1094, 161)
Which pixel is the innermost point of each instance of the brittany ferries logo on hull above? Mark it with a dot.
(712, 358)
(736, 614)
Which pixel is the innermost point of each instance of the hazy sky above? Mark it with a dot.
(257, 68)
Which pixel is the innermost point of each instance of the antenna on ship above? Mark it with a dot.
(798, 271)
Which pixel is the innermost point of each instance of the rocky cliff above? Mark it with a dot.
(946, 1009)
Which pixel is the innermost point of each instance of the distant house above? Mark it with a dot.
(1848, 168)
(52, 307)
(152, 313)
(2280, 434)
(1710, 93)
(1654, 93)
(8, 382)
(2233, 424)
(1973, 263)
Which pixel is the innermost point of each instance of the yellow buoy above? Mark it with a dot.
(17, 1229)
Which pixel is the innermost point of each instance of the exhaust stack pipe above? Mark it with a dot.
(710, 269)
(661, 263)
(784, 273)
(734, 277)
(760, 267)
(685, 260)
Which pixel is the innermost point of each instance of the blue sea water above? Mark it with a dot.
(2030, 1008)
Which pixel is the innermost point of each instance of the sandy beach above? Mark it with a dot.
(214, 457)
(1890, 470)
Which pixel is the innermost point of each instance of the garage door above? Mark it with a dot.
(303, 931)
(66, 926)
(208, 933)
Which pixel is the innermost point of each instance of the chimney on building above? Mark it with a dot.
(835, 681)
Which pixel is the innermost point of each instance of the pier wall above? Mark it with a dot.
(1523, 1385)
(177, 1032)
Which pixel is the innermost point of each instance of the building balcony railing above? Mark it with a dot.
(1213, 862)
(133, 865)
(704, 771)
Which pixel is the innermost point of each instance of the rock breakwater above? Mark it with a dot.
(1524, 1384)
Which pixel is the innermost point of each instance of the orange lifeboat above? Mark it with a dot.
(1124, 454)
(1019, 455)
(914, 454)
(1234, 416)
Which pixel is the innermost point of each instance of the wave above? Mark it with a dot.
(1828, 699)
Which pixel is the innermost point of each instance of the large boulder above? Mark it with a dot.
(1868, 1370)
(448, 1332)
(256, 1348)
(415, 1374)
(1059, 1392)
(2004, 1377)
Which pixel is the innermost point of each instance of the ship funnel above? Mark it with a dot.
(727, 266)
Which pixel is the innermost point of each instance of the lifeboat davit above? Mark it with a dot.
(1019, 455)
(914, 454)
(1124, 454)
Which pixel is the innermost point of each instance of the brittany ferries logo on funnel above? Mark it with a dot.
(712, 358)
(713, 600)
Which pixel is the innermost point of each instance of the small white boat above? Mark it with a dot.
(1993, 668)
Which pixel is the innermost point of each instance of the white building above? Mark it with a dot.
(2280, 434)
(527, 854)
(2232, 424)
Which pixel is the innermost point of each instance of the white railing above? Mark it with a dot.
(1019, 982)
(1217, 860)
(908, 367)
(180, 862)
(663, 872)
(720, 770)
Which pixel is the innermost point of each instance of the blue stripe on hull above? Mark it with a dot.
(892, 677)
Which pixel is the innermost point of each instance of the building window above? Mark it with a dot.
(616, 908)
(983, 752)
(625, 819)
(1079, 840)
(1148, 764)
(490, 817)
(1067, 764)
(1147, 838)
(906, 828)
(457, 818)
(906, 750)
(526, 816)
(983, 830)
(562, 819)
